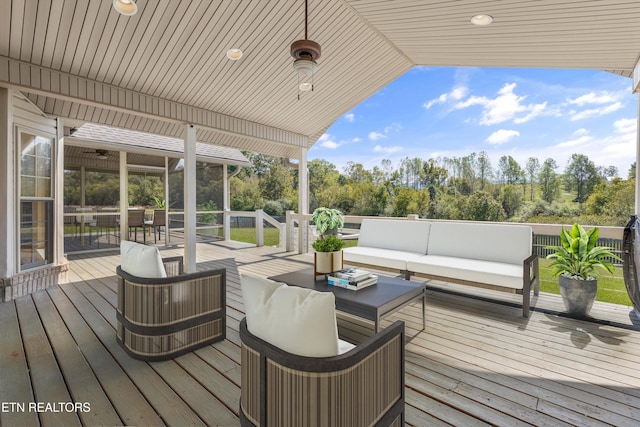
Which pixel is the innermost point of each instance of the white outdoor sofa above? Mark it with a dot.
(487, 255)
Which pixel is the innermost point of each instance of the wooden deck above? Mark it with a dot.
(478, 363)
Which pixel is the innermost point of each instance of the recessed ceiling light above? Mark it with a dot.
(234, 54)
(125, 7)
(482, 20)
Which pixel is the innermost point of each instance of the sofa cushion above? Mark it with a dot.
(510, 244)
(386, 258)
(297, 320)
(141, 260)
(399, 235)
(489, 272)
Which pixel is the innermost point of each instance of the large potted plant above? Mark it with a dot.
(328, 247)
(576, 263)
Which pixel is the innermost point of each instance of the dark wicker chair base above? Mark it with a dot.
(158, 319)
(364, 387)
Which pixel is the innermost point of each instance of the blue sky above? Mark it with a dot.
(435, 112)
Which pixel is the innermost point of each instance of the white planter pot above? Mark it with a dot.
(327, 262)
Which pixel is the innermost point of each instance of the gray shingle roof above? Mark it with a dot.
(171, 147)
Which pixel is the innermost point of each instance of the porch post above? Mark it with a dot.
(637, 201)
(190, 199)
(303, 202)
(226, 203)
(166, 201)
(124, 196)
(635, 88)
(7, 186)
(58, 194)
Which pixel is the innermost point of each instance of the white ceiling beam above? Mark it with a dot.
(44, 81)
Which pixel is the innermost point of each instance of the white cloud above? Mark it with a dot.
(396, 127)
(326, 141)
(603, 97)
(501, 136)
(536, 110)
(456, 94)
(356, 139)
(626, 125)
(350, 117)
(581, 131)
(506, 106)
(577, 142)
(387, 150)
(594, 112)
(374, 136)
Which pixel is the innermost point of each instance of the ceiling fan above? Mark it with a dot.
(100, 153)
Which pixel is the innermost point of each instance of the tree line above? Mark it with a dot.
(462, 188)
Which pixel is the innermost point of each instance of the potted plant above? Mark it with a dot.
(328, 246)
(327, 220)
(576, 263)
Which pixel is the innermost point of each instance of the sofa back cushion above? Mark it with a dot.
(297, 320)
(510, 244)
(400, 235)
(141, 260)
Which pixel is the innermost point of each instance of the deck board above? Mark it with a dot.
(16, 387)
(478, 363)
(46, 379)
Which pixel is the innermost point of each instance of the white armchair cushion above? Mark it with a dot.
(141, 260)
(298, 320)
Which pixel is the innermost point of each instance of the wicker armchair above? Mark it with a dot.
(161, 318)
(362, 387)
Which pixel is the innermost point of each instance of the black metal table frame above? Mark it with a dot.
(373, 303)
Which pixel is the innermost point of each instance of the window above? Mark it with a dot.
(36, 200)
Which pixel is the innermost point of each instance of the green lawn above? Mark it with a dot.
(248, 235)
(610, 287)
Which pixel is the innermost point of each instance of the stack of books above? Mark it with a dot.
(352, 278)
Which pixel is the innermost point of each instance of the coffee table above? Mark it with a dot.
(374, 302)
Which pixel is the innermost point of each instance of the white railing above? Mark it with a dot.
(260, 218)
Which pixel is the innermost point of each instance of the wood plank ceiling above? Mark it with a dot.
(166, 65)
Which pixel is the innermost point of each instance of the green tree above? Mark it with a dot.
(356, 172)
(581, 176)
(549, 181)
(484, 168)
(532, 167)
(323, 175)
(613, 201)
(405, 202)
(509, 170)
(480, 206)
(276, 182)
(245, 194)
(510, 199)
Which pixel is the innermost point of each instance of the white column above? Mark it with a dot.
(166, 201)
(58, 194)
(226, 204)
(8, 246)
(190, 199)
(303, 202)
(637, 204)
(124, 197)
